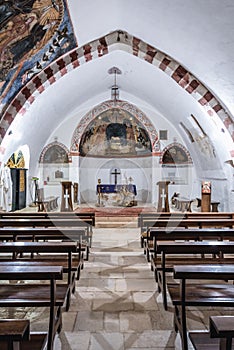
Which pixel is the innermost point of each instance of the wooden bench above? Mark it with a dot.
(15, 335)
(35, 295)
(192, 253)
(197, 294)
(147, 220)
(171, 224)
(88, 218)
(60, 223)
(46, 204)
(48, 234)
(61, 254)
(219, 337)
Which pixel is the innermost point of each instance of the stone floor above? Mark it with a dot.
(116, 305)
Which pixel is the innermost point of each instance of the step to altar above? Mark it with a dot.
(116, 221)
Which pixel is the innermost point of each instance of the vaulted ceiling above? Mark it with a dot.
(176, 59)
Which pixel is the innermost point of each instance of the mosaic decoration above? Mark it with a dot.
(124, 112)
(33, 33)
(175, 154)
(117, 40)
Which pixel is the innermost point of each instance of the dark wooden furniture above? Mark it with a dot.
(61, 222)
(214, 205)
(199, 294)
(75, 192)
(184, 253)
(66, 200)
(15, 335)
(219, 337)
(35, 295)
(19, 185)
(46, 204)
(147, 220)
(163, 202)
(61, 254)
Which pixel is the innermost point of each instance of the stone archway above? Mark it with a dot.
(117, 40)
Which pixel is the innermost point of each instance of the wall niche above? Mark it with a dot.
(54, 163)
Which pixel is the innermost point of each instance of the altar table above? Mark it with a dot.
(106, 188)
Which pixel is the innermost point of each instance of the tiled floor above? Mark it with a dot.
(116, 305)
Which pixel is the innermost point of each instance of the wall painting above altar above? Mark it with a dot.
(115, 133)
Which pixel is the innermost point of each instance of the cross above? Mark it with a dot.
(115, 172)
(163, 196)
(66, 196)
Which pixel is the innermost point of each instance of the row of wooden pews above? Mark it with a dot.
(201, 258)
(47, 252)
(186, 220)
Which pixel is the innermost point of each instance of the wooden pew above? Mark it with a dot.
(198, 294)
(48, 234)
(147, 220)
(218, 338)
(15, 335)
(197, 222)
(35, 295)
(192, 253)
(46, 204)
(49, 222)
(61, 254)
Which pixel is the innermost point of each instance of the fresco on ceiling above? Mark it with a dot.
(175, 155)
(33, 33)
(115, 133)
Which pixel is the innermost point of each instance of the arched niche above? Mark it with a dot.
(133, 129)
(115, 133)
(54, 163)
(127, 152)
(176, 163)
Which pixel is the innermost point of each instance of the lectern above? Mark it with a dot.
(163, 203)
(66, 200)
(206, 196)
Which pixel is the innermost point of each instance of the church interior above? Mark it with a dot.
(117, 125)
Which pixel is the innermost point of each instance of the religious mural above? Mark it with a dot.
(175, 155)
(115, 133)
(33, 33)
(55, 154)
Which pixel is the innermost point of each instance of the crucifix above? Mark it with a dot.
(66, 200)
(116, 173)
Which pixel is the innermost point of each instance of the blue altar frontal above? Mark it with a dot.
(105, 188)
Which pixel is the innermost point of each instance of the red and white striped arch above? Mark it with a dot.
(117, 40)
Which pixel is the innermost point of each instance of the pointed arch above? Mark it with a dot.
(104, 106)
(185, 159)
(117, 40)
(51, 145)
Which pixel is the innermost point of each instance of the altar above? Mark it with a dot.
(106, 188)
(117, 195)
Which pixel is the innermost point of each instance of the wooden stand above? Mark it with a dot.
(75, 192)
(206, 196)
(163, 203)
(66, 201)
